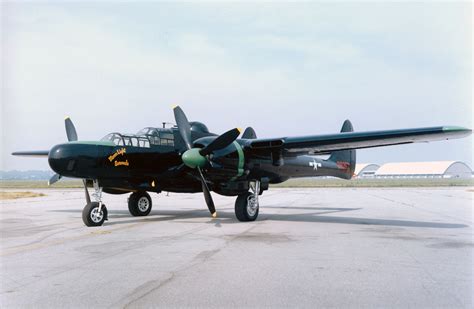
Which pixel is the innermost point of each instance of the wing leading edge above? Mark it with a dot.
(323, 144)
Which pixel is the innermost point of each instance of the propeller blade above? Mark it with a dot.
(54, 179)
(207, 195)
(221, 141)
(70, 130)
(183, 126)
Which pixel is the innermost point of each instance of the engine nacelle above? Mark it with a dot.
(227, 163)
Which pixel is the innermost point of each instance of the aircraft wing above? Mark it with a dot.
(324, 144)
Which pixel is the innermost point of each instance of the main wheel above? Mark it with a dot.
(91, 215)
(246, 207)
(139, 204)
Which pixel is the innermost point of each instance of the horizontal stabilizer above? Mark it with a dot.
(35, 153)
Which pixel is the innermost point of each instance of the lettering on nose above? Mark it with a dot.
(124, 163)
(119, 152)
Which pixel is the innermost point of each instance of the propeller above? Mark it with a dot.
(197, 157)
(72, 137)
(207, 195)
(183, 126)
(54, 179)
(220, 142)
(70, 130)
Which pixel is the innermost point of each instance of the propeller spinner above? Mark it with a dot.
(71, 137)
(197, 157)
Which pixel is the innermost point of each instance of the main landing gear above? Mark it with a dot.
(246, 205)
(94, 213)
(139, 204)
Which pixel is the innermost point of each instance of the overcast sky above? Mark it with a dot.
(286, 69)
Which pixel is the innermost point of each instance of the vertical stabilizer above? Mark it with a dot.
(249, 133)
(345, 159)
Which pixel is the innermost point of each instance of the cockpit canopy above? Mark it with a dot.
(127, 140)
(147, 131)
(145, 138)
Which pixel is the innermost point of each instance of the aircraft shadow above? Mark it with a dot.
(365, 221)
(228, 217)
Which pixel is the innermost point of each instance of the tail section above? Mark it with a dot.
(345, 159)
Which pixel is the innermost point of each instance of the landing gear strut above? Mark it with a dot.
(247, 204)
(94, 213)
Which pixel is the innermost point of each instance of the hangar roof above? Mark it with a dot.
(415, 168)
(361, 166)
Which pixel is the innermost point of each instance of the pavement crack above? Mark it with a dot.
(145, 289)
(153, 286)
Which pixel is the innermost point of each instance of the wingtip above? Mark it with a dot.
(214, 215)
(174, 106)
(66, 118)
(457, 129)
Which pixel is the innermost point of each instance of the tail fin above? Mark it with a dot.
(249, 133)
(345, 159)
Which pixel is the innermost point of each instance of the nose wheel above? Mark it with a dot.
(94, 213)
(247, 204)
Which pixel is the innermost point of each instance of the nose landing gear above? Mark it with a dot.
(247, 204)
(94, 213)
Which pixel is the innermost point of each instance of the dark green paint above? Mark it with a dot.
(275, 159)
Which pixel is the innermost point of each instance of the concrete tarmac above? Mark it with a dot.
(344, 248)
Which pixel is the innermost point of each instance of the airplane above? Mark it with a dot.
(187, 158)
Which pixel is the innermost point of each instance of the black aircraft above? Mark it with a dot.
(188, 158)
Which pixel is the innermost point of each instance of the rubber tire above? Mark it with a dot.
(86, 214)
(241, 208)
(133, 204)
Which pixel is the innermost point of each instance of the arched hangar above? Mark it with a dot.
(438, 169)
(366, 170)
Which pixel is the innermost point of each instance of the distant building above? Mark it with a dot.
(439, 169)
(366, 170)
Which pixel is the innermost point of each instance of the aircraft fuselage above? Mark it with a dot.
(129, 168)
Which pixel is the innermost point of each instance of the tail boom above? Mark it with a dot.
(345, 159)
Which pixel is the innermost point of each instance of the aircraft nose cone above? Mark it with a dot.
(73, 159)
(55, 152)
(58, 155)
